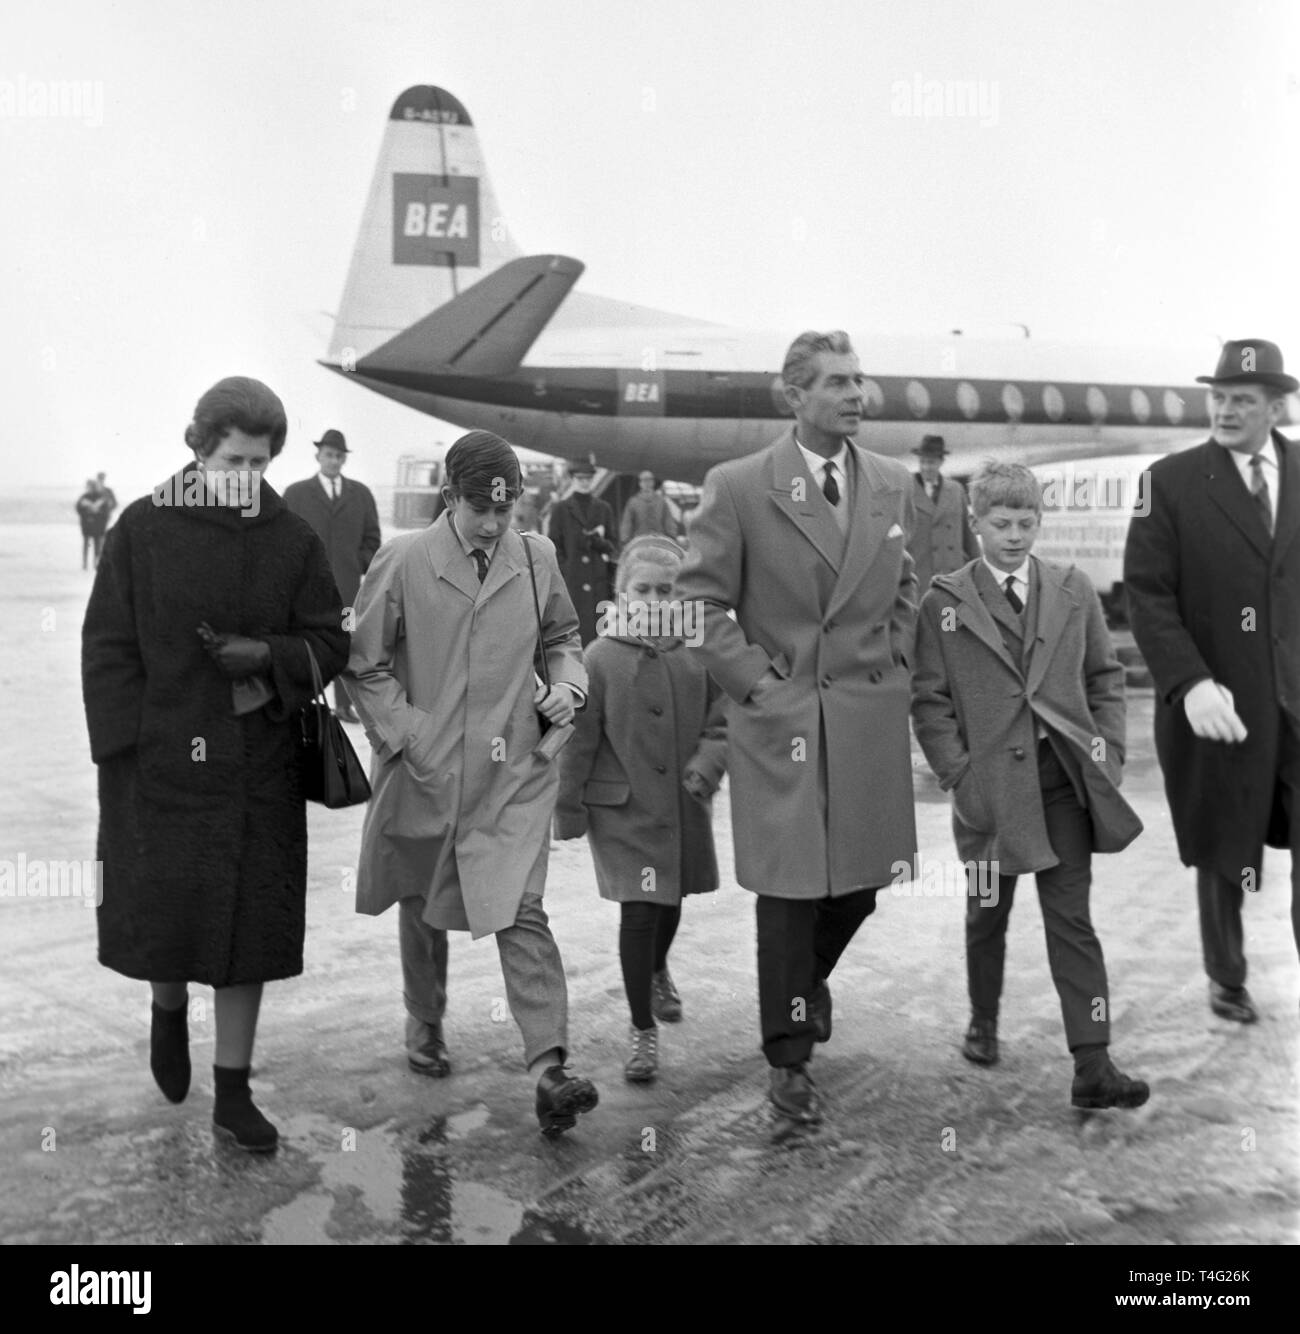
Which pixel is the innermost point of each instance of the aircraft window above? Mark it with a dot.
(1140, 404)
(968, 399)
(875, 398)
(918, 398)
(1053, 402)
(1013, 402)
(1173, 406)
(1097, 405)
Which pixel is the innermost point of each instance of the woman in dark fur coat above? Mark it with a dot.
(194, 664)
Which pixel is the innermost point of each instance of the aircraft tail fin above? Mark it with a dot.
(431, 226)
(487, 329)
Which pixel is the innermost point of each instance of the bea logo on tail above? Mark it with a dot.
(435, 219)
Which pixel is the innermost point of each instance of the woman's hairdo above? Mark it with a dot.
(483, 469)
(238, 403)
(649, 549)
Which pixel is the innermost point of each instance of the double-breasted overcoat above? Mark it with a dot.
(942, 540)
(820, 759)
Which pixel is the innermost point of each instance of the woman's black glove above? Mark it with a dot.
(236, 656)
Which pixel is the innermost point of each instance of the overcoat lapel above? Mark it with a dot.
(976, 617)
(448, 561)
(1055, 607)
(1225, 488)
(868, 527)
(811, 515)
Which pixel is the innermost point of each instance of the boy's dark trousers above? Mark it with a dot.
(1073, 950)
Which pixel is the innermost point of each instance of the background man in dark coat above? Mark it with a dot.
(582, 528)
(942, 540)
(1212, 574)
(345, 518)
(806, 541)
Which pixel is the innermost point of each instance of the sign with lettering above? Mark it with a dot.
(435, 219)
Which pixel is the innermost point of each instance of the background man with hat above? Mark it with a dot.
(582, 527)
(345, 518)
(943, 540)
(1212, 573)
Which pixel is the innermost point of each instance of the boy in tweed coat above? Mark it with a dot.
(1018, 703)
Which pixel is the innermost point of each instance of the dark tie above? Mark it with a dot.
(830, 488)
(1259, 492)
(1012, 597)
(334, 487)
(481, 560)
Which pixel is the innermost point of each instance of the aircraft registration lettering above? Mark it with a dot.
(435, 219)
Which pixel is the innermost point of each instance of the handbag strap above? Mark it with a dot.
(537, 612)
(318, 691)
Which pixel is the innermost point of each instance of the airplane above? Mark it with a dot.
(443, 312)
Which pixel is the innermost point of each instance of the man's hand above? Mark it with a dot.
(235, 656)
(1211, 713)
(696, 785)
(555, 705)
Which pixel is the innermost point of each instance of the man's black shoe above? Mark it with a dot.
(1233, 1003)
(1109, 1089)
(560, 1098)
(981, 1042)
(793, 1095)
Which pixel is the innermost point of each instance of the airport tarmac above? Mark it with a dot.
(919, 1146)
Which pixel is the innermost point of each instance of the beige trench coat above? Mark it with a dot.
(442, 675)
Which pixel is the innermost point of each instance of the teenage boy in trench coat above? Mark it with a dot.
(458, 829)
(806, 542)
(1212, 574)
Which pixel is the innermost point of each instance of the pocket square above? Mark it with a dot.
(895, 531)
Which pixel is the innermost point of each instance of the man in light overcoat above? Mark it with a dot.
(806, 542)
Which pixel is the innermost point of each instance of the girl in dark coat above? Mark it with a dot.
(638, 778)
(194, 664)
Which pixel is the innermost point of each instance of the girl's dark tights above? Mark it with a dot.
(645, 933)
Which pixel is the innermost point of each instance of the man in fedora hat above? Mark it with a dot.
(345, 518)
(943, 540)
(582, 528)
(1211, 573)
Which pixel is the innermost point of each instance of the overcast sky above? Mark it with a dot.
(1130, 176)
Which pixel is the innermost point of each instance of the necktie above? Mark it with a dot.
(481, 560)
(334, 487)
(1259, 492)
(830, 489)
(1012, 596)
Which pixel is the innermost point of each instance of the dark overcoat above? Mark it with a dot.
(1209, 595)
(974, 707)
(582, 558)
(202, 826)
(652, 715)
(942, 540)
(348, 526)
(820, 760)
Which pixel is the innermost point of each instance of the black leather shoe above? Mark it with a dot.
(1233, 1003)
(426, 1052)
(819, 1012)
(560, 1098)
(793, 1095)
(1109, 1089)
(981, 1042)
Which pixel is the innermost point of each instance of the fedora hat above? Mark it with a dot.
(1251, 361)
(931, 445)
(332, 439)
(581, 468)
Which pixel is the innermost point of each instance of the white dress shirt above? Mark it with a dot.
(329, 482)
(840, 469)
(1272, 472)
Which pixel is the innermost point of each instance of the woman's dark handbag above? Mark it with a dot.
(331, 772)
